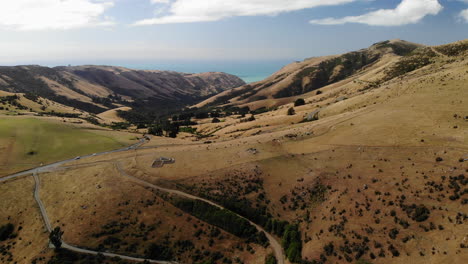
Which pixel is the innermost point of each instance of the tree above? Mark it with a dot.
(291, 111)
(299, 102)
(155, 130)
(271, 259)
(172, 129)
(55, 237)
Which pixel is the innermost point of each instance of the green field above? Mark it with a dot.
(28, 142)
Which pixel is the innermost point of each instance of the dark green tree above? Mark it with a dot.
(155, 130)
(55, 237)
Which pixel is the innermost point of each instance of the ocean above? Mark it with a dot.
(249, 71)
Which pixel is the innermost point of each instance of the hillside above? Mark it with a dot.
(371, 170)
(313, 74)
(96, 89)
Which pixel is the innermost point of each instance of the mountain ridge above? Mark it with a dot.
(99, 88)
(310, 75)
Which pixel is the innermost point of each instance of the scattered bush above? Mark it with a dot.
(6, 231)
(299, 102)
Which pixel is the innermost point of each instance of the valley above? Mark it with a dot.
(351, 158)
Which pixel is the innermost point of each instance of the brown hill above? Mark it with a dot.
(98, 88)
(312, 74)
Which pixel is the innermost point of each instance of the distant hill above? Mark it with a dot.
(98, 88)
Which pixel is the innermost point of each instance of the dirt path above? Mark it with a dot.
(47, 223)
(275, 245)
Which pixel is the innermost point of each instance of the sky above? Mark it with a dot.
(106, 31)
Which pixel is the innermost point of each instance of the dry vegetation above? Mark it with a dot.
(380, 177)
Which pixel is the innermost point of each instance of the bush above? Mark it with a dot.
(271, 259)
(393, 233)
(55, 237)
(215, 120)
(6, 231)
(299, 102)
(291, 111)
(159, 252)
(418, 213)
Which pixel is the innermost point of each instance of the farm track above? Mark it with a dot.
(276, 246)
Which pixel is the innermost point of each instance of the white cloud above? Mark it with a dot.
(407, 12)
(186, 11)
(53, 14)
(464, 15)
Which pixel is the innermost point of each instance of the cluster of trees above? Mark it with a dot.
(223, 219)
(68, 115)
(109, 100)
(164, 128)
(291, 238)
(12, 100)
(292, 243)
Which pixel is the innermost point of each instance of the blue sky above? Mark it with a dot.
(94, 31)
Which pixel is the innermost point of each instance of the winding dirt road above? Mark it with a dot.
(45, 217)
(273, 242)
(278, 250)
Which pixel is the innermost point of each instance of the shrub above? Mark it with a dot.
(215, 120)
(299, 102)
(291, 111)
(418, 213)
(6, 231)
(271, 259)
(55, 237)
(160, 252)
(393, 233)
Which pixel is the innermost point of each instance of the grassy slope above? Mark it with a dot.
(51, 140)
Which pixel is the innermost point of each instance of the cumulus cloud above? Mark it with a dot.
(407, 12)
(53, 14)
(464, 15)
(186, 11)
